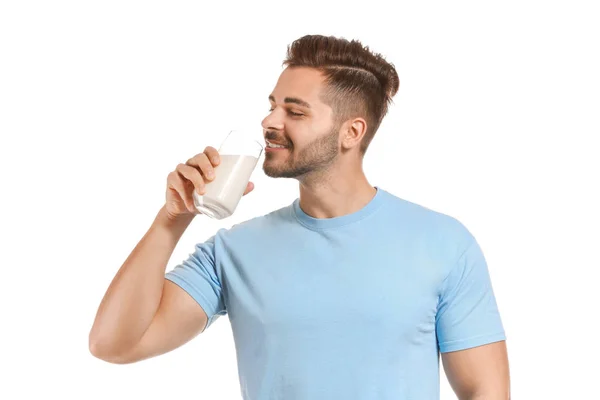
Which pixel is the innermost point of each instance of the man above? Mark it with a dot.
(348, 293)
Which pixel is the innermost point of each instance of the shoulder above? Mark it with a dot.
(435, 227)
(259, 226)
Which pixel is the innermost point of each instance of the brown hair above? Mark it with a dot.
(360, 82)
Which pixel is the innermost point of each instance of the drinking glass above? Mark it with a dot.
(239, 154)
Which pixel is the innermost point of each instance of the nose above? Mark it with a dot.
(273, 121)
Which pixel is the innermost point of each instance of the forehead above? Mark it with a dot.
(300, 82)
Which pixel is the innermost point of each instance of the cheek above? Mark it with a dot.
(301, 132)
(298, 140)
(294, 134)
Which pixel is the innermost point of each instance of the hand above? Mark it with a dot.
(193, 175)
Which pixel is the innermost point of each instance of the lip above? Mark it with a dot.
(270, 149)
(267, 148)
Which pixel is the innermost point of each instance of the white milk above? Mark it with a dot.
(225, 191)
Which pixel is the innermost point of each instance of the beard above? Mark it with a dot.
(316, 156)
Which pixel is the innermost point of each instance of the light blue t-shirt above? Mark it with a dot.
(353, 307)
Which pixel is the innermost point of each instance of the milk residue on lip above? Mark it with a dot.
(223, 194)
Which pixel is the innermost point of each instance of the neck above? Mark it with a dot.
(335, 192)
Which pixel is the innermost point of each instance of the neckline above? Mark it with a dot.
(336, 222)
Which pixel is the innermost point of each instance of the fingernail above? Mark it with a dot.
(215, 159)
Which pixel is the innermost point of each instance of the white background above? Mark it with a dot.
(496, 123)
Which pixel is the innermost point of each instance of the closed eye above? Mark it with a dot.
(291, 113)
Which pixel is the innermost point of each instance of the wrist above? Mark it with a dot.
(173, 223)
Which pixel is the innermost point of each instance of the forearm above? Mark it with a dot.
(133, 297)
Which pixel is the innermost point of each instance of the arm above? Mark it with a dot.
(479, 373)
(143, 315)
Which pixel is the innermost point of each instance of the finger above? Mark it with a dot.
(176, 182)
(249, 188)
(204, 165)
(207, 169)
(213, 155)
(192, 175)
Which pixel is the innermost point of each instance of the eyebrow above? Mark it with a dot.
(293, 100)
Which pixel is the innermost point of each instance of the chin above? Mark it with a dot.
(277, 171)
(269, 170)
(273, 172)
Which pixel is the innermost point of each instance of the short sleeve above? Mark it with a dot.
(198, 276)
(467, 314)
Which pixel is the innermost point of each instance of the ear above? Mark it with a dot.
(353, 132)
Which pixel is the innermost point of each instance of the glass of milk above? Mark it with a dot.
(239, 155)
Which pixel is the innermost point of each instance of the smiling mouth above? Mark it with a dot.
(275, 146)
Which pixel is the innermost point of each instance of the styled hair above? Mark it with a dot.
(360, 83)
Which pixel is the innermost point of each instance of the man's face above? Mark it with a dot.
(301, 122)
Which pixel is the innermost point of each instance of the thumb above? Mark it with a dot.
(249, 188)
